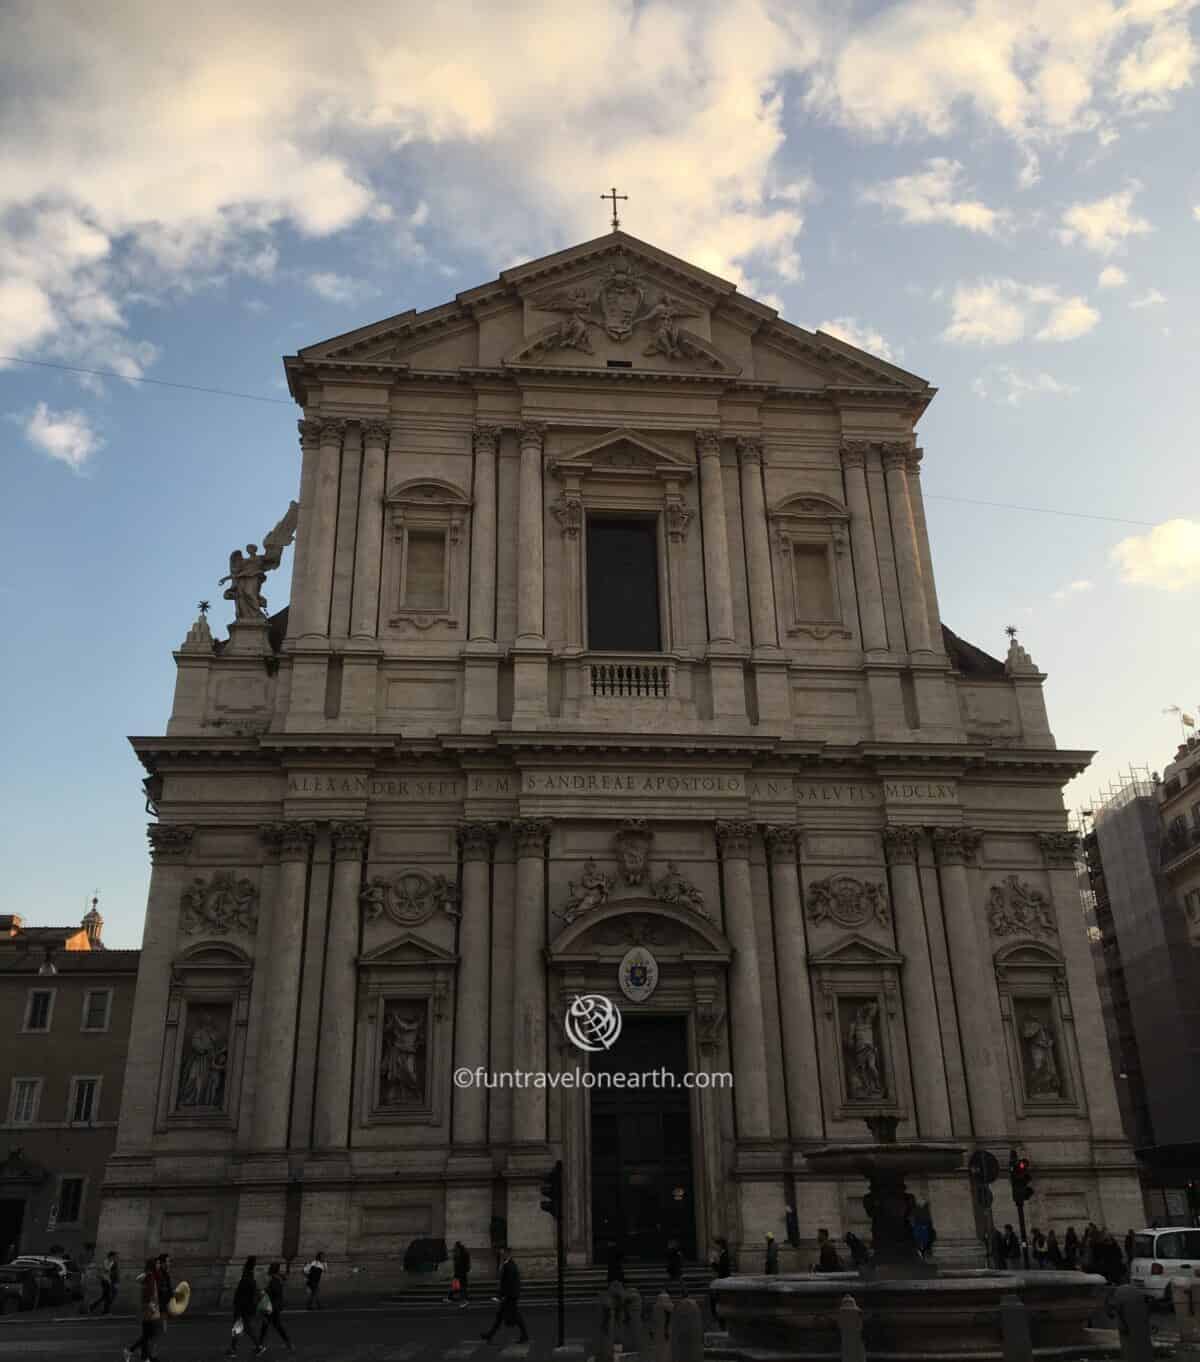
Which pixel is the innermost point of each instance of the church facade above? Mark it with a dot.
(613, 667)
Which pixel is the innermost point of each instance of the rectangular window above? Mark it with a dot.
(39, 1009)
(22, 1110)
(70, 1201)
(425, 569)
(96, 1005)
(812, 582)
(83, 1100)
(622, 585)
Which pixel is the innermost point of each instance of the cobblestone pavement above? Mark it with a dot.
(352, 1335)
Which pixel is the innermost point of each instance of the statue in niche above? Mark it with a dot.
(205, 1062)
(248, 572)
(1042, 1078)
(864, 1072)
(402, 1055)
(593, 891)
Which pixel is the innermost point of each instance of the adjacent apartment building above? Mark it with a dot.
(1143, 860)
(65, 1007)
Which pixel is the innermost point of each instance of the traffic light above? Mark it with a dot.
(1021, 1176)
(552, 1191)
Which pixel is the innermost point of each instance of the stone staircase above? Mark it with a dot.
(582, 1286)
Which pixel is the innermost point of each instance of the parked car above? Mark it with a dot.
(1159, 1255)
(21, 1287)
(62, 1280)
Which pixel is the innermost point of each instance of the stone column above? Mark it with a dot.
(904, 537)
(483, 536)
(795, 994)
(281, 1004)
(170, 844)
(321, 526)
(335, 1053)
(1059, 850)
(474, 958)
(529, 977)
(716, 538)
(368, 546)
(302, 555)
(867, 584)
(745, 985)
(531, 552)
(758, 547)
(569, 511)
(932, 610)
(974, 986)
(920, 1012)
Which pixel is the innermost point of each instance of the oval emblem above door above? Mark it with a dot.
(638, 974)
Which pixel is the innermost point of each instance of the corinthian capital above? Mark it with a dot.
(733, 837)
(913, 462)
(1059, 849)
(955, 846)
(782, 839)
(310, 432)
(894, 454)
(349, 839)
(531, 835)
(169, 841)
(532, 435)
(708, 442)
(292, 840)
(900, 845)
(476, 840)
(485, 439)
(854, 453)
(749, 449)
(332, 430)
(376, 433)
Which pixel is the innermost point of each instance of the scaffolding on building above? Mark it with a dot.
(1138, 783)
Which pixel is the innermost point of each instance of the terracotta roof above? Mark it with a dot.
(71, 962)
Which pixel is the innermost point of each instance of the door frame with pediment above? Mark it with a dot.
(693, 957)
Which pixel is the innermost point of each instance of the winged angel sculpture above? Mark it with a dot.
(620, 303)
(248, 571)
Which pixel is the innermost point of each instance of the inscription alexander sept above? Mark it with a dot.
(377, 787)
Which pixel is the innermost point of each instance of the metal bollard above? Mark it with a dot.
(687, 1332)
(1017, 1343)
(662, 1327)
(1133, 1324)
(850, 1329)
(632, 1334)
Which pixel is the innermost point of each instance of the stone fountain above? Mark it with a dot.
(911, 1308)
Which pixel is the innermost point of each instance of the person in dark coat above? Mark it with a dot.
(722, 1266)
(616, 1264)
(859, 1257)
(462, 1270)
(827, 1254)
(110, 1279)
(166, 1288)
(1037, 1243)
(1071, 1248)
(1054, 1253)
(245, 1308)
(1012, 1248)
(151, 1316)
(1129, 1237)
(509, 1313)
(674, 1267)
(1107, 1258)
(771, 1266)
(273, 1319)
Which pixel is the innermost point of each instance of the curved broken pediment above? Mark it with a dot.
(672, 932)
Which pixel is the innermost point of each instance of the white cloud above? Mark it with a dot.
(1003, 311)
(1011, 386)
(1064, 593)
(1112, 276)
(863, 336)
(1168, 556)
(1151, 298)
(338, 288)
(1036, 71)
(1103, 225)
(63, 435)
(935, 194)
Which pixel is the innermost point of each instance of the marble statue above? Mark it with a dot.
(247, 572)
(866, 1077)
(1042, 1076)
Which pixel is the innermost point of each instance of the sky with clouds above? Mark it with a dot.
(1003, 197)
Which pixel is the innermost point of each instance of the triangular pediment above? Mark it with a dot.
(624, 451)
(856, 950)
(617, 301)
(407, 949)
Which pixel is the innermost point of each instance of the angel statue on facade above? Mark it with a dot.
(594, 889)
(865, 1077)
(247, 572)
(668, 338)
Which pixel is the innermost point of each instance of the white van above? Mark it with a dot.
(1159, 1255)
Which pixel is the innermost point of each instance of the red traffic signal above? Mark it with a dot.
(1021, 1176)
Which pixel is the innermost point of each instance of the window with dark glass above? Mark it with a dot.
(622, 585)
(70, 1201)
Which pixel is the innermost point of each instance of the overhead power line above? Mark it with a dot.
(286, 402)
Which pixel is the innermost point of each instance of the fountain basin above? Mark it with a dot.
(954, 1315)
(883, 1160)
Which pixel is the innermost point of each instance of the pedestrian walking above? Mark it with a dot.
(509, 1314)
(462, 1274)
(1011, 1248)
(674, 1268)
(151, 1317)
(722, 1266)
(771, 1266)
(827, 1254)
(1054, 1253)
(1038, 1244)
(616, 1264)
(1107, 1258)
(245, 1309)
(1071, 1248)
(314, 1274)
(166, 1288)
(859, 1257)
(110, 1276)
(273, 1318)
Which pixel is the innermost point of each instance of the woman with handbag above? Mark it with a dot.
(272, 1308)
(245, 1309)
(151, 1316)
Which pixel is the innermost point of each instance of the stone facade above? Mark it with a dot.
(403, 824)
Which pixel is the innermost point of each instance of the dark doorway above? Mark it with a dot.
(12, 1217)
(622, 585)
(642, 1146)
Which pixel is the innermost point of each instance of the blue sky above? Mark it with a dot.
(1001, 197)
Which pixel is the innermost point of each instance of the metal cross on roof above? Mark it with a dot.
(1011, 630)
(612, 194)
